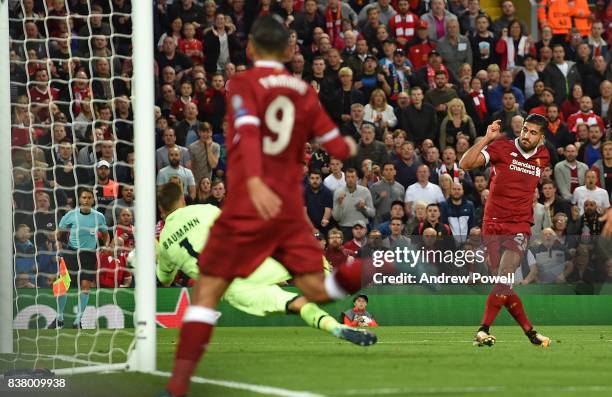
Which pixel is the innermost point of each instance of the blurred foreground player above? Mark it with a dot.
(272, 115)
(258, 294)
(516, 166)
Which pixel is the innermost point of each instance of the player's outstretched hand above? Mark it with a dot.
(607, 218)
(493, 131)
(266, 202)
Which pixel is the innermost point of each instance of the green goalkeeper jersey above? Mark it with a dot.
(182, 239)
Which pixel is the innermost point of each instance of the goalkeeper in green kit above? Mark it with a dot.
(183, 237)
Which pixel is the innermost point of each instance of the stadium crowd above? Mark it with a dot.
(414, 82)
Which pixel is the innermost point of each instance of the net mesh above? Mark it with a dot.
(72, 128)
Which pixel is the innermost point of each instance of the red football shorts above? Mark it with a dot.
(236, 249)
(500, 236)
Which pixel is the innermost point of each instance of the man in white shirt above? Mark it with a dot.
(590, 191)
(422, 190)
(335, 180)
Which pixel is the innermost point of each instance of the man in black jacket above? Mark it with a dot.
(418, 119)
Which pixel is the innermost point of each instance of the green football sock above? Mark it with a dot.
(316, 317)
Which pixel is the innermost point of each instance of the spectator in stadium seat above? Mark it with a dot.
(483, 43)
(541, 217)
(176, 169)
(508, 111)
(352, 203)
(589, 226)
(211, 106)
(406, 165)
(495, 96)
(318, 201)
(307, 20)
(187, 130)
(368, 148)
(346, 97)
(335, 253)
(590, 151)
(603, 167)
(468, 18)
(450, 166)
(436, 19)
(551, 261)
(386, 11)
(217, 194)
(527, 77)
(358, 238)
(556, 131)
(221, 46)
(185, 97)
(167, 100)
(352, 127)
(433, 221)
(458, 212)
(601, 105)
(95, 27)
(397, 211)
(370, 173)
(371, 79)
(456, 124)
(572, 104)
(585, 115)
(560, 75)
(439, 96)
(126, 200)
(204, 153)
(554, 203)
(590, 191)
(569, 173)
(106, 190)
(508, 15)
(188, 11)
(335, 179)
(161, 154)
(454, 48)
(422, 190)
(25, 262)
(169, 56)
(545, 98)
(396, 237)
(63, 169)
(203, 191)
(379, 112)
(385, 192)
(418, 119)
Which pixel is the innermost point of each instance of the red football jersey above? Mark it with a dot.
(272, 115)
(514, 178)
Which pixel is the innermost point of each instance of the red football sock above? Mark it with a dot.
(196, 332)
(515, 307)
(496, 299)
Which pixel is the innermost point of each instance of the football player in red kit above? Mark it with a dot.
(516, 166)
(272, 116)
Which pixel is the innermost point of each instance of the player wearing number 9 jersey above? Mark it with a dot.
(272, 115)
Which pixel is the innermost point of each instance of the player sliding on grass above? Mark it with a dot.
(183, 238)
(516, 166)
(271, 115)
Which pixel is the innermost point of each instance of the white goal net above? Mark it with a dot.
(72, 132)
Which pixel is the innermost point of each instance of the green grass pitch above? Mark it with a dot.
(407, 361)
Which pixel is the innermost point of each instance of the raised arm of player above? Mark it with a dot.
(474, 158)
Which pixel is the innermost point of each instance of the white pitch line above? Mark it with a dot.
(260, 389)
(466, 390)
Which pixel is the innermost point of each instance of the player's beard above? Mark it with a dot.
(527, 146)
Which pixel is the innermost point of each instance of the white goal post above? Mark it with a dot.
(142, 354)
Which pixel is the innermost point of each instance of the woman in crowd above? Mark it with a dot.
(379, 112)
(456, 124)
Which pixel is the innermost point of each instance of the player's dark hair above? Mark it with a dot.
(168, 195)
(537, 119)
(269, 34)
